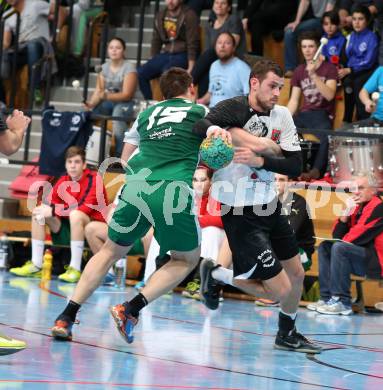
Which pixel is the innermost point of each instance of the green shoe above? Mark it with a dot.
(192, 289)
(71, 275)
(9, 345)
(28, 270)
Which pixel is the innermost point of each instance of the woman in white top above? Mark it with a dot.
(116, 86)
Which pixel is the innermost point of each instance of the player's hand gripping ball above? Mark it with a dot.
(216, 153)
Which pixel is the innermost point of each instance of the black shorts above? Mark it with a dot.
(258, 242)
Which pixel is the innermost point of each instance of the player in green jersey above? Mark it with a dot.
(158, 193)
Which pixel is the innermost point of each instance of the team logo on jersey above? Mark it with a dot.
(55, 122)
(256, 126)
(76, 119)
(363, 47)
(276, 135)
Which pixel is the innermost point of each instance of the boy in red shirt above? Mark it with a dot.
(73, 204)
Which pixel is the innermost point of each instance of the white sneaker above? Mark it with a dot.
(314, 305)
(335, 307)
(379, 306)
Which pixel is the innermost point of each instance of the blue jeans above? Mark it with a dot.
(316, 120)
(156, 66)
(291, 38)
(125, 110)
(336, 262)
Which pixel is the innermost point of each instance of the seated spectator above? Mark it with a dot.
(228, 76)
(67, 212)
(175, 42)
(296, 209)
(346, 7)
(96, 234)
(116, 86)
(362, 53)
(83, 10)
(316, 81)
(212, 233)
(224, 22)
(375, 108)
(334, 50)
(354, 249)
(294, 29)
(265, 16)
(33, 39)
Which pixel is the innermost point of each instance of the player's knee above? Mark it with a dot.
(77, 216)
(297, 275)
(282, 290)
(90, 230)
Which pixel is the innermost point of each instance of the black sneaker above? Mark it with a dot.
(296, 342)
(210, 288)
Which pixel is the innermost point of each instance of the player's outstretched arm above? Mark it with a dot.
(260, 145)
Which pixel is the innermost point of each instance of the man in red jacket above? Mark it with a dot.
(356, 248)
(73, 204)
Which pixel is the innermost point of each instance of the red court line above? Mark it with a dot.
(369, 349)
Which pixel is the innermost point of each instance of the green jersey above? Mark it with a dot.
(167, 145)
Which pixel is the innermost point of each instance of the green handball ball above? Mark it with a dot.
(216, 153)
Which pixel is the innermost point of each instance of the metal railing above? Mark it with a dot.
(104, 17)
(15, 51)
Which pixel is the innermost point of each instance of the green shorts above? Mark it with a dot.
(167, 206)
(62, 237)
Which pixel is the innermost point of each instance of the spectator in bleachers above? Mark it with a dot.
(295, 28)
(375, 108)
(356, 247)
(175, 42)
(225, 22)
(265, 16)
(96, 233)
(346, 7)
(379, 26)
(334, 50)
(296, 209)
(362, 54)
(316, 81)
(116, 86)
(70, 207)
(228, 75)
(33, 39)
(83, 10)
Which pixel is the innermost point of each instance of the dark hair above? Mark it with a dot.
(123, 44)
(260, 69)
(310, 35)
(209, 171)
(175, 82)
(361, 9)
(73, 151)
(333, 16)
(226, 33)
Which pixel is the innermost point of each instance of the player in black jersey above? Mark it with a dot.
(265, 252)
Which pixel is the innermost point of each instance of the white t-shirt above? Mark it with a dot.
(238, 184)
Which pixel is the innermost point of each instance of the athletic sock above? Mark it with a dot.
(286, 322)
(136, 304)
(223, 275)
(71, 310)
(37, 252)
(76, 249)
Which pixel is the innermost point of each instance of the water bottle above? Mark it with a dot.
(47, 265)
(120, 272)
(3, 251)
